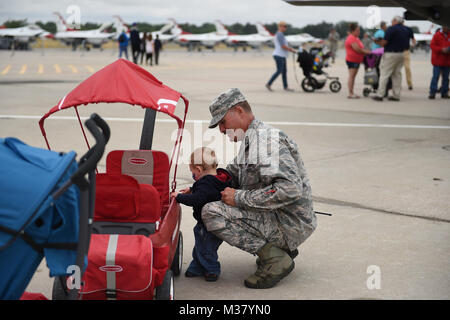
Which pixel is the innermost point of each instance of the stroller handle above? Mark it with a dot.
(88, 162)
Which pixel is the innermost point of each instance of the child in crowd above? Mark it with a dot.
(209, 183)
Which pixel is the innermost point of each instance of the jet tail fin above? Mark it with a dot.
(120, 25)
(167, 27)
(176, 29)
(220, 28)
(61, 25)
(105, 26)
(262, 30)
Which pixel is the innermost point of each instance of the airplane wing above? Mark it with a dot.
(423, 36)
(21, 32)
(437, 11)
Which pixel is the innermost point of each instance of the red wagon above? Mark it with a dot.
(136, 244)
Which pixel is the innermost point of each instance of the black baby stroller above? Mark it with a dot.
(313, 62)
(372, 73)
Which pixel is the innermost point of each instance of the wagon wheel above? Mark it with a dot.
(178, 257)
(60, 290)
(166, 290)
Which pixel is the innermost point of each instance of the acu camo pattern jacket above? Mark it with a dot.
(270, 177)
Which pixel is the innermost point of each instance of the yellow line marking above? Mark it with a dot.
(90, 69)
(57, 68)
(41, 68)
(6, 70)
(23, 69)
(72, 67)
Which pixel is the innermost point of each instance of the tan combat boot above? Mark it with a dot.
(275, 264)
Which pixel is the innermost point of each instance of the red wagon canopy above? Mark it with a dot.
(122, 81)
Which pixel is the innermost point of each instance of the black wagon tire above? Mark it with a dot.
(177, 262)
(166, 290)
(60, 290)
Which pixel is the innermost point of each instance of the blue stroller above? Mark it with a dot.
(46, 208)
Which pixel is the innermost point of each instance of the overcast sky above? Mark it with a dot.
(192, 11)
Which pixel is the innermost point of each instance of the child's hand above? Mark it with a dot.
(186, 191)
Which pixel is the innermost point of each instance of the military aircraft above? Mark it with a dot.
(120, 26)
(73, 37)
(296, 40)
(254, 40)
(22, 36)
(437, 11)
(195, 41)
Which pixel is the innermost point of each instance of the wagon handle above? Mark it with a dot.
(89, 161)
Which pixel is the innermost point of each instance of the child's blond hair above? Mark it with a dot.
(204, 157)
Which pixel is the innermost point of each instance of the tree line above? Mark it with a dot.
(318, 30)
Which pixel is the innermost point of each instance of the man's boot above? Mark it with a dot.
(293, 254)
(275, 265)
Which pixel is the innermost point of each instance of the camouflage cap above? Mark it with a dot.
(224, 102)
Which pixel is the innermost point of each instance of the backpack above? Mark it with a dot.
(122, 38)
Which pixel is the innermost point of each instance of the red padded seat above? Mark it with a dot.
(120, 198)
(146, 166)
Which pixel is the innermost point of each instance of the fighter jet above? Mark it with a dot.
(22, 36)
(254, 40)
(437, 11)
(120, 26)
(73, 37)
(192, 41)
(296, 40)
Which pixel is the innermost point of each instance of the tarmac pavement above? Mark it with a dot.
(381, 168)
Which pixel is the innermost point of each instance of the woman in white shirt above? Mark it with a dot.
(149, 49)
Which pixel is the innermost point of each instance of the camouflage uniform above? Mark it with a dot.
(273, 196)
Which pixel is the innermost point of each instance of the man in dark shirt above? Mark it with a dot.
(135, 42)
(396, 41)
(158, 47)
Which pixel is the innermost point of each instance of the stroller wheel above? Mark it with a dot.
(335, 86)
(178, 257)
(366, 92)
(166, 290)
(309, 84)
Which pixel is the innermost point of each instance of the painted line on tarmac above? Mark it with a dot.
(279, 123)
(57, 68)
(23, 69)
(72, 67)
(6, 70)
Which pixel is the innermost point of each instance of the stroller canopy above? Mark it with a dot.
(29, 175)
(32, 222)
